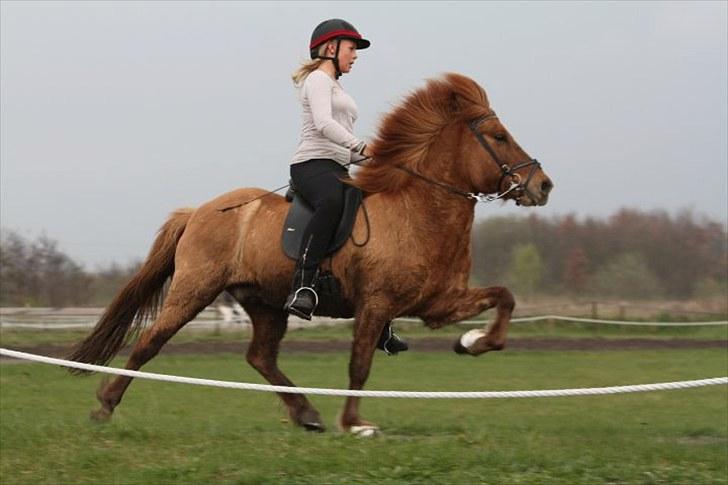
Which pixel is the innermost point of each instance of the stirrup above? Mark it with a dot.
(304, 313)
(392, 344)
(315, 295)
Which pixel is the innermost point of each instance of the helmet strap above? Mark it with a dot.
(335, 59)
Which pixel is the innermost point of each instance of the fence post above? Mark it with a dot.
(594, 313)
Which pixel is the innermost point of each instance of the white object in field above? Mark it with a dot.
(366, 431)
(231, 312)
(469, 337)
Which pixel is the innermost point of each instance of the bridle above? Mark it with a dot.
(517, 185)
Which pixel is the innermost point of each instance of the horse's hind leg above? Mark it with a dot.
(269, 327)
(187, 297)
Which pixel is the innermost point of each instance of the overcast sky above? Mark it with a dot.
(114, 114)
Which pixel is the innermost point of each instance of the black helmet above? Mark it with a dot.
(335, 29)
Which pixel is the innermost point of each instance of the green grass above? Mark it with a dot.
(173, 433)
(25, 337)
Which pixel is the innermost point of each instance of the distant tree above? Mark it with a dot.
(526, 269)
(576, 270)
(38, 273)
(712, 287)
(493, 242)
(62, 281)
(15, 279)
(107, 281)
(626, 276)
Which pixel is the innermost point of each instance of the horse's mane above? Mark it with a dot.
(406, 134)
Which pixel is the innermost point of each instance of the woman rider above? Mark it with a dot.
(327, 144)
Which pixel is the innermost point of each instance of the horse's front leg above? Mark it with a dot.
(458, 305)
(368, 327)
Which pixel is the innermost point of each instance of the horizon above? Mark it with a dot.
(700, 219)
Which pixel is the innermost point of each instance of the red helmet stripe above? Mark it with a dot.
(330, 35)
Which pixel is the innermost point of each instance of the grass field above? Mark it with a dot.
(172, 433)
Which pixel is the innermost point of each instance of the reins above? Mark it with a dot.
(485, 198)
(517, 184)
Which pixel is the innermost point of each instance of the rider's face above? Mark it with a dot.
(347, 54)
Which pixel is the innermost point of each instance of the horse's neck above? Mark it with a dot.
(443, 212)
(444, 219)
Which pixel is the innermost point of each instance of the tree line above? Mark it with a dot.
(630, 255)
(37, 273)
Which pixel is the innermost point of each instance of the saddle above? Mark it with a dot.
(301, 212)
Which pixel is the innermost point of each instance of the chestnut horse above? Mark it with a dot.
(433, 154)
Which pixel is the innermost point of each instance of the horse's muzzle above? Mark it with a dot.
(536, 193)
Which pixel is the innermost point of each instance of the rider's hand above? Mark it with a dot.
(367, 152)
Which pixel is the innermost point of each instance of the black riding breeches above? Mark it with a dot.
(319, 182)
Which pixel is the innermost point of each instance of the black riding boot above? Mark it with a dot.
(390, 342)
(302, 300)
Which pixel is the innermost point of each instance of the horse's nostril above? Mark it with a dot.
(546, 186)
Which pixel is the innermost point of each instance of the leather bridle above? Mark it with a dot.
(517, 185)
(507, 171)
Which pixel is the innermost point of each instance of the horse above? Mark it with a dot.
(435, 155)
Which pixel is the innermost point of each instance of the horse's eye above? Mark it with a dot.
(501, 137)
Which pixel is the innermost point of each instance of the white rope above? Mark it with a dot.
(201, 323)
(342, 392)
(587, 320)
(91, 324)
(46, 325)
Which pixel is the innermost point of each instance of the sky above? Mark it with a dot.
(113, 114)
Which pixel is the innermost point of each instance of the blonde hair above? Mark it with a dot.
(307, 67)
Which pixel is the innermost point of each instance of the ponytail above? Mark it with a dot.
(306, 68)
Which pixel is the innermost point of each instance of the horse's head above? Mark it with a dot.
(492, 161)
(447, 135)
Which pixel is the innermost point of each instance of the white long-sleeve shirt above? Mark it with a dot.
(328, 121)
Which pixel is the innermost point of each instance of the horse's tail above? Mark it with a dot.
(138, 301)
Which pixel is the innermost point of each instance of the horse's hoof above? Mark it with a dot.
(459, 349)
(101, 415)
(314, 427)
(365, 431)
(310, 420)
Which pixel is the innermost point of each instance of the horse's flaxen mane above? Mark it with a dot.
(406, 134)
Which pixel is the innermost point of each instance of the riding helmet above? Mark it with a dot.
(335, 29)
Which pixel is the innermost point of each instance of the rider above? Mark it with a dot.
(327, 144)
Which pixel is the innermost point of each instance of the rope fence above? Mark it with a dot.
(662, 386)
(607, 322)
(92, 323)
(213, 323)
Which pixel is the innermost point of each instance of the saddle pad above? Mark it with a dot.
(300, 214)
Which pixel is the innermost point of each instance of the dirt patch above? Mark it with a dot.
(416, 345)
